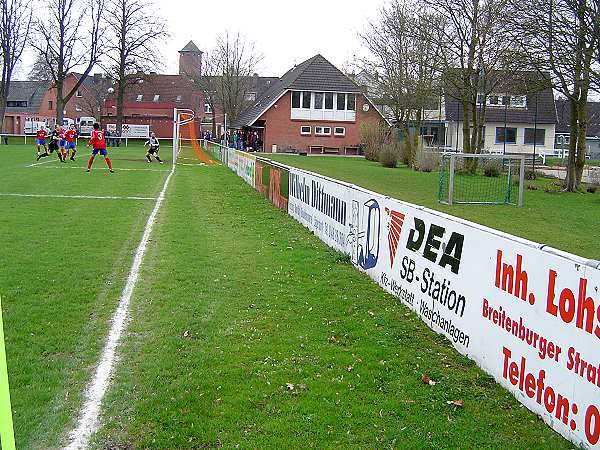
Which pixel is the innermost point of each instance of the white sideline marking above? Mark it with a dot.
(87, 423)
(114, 168)
(40, 163)
(100, 197)
(187, 164)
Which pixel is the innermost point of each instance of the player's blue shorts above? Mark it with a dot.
(41, 141)
(70, 146)
(102, 151)
(62, 143)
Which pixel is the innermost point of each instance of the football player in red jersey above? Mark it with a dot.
(62, 143)
(99, 146)
(70, 136)
(41, 136)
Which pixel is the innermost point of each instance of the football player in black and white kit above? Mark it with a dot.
(153, 146)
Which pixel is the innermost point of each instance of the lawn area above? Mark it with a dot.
(565, 221)
(552, 162)
(64, 261)
(247, 331)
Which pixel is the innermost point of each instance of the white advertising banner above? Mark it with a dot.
(232, 159)
(130, 130)
(246, 167)
(528, 317)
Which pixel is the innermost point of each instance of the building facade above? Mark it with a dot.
(313, 108)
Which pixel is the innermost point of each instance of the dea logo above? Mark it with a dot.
(364, 233)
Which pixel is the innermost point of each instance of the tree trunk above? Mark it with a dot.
(2, 113)
(581, 132)
(465, 131)
(60, 104)
(570, 180)
(120, 106)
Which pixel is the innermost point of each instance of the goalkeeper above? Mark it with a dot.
(153, 147)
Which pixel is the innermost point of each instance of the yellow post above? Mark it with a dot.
(7, 437)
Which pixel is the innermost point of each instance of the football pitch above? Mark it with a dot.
(244, 329)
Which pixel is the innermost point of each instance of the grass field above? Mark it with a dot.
(64, 261)
(245, 329)
(562, 162)
(562, 220)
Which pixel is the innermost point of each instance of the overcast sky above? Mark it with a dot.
(285, 32)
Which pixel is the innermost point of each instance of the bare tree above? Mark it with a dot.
(237, 60)
(562, 37)
(15, 22)
(476, 47)
(227, 73)
(70, 38)
(403, 66)
(95, 94)
(40, 70)
(134, 30)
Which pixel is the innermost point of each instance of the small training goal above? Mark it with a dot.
(481, 179)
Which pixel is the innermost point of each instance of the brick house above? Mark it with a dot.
(151, 101)
(314, 107)
(36, 100)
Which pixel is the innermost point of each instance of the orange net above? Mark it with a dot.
(202, 156)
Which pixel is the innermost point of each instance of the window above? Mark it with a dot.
(50, 105)
(178, 99)
(305, 130)
(341, 102)
(339, 131)
(295, 99)
(510, 133)
(17, 104)
(78, 94)
(329, 100)
(139, 98)
(518, 101)
(322, 131)
(512, 101)
(207, 109)
(156, 98)
(78, 108)
(306, 100)
(540, 136)
(250, 96)
(318, 100)
(351, 105)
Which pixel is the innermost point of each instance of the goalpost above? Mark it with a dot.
(181, 117)
(481, 179)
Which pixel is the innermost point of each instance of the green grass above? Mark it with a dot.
(552, 162)
(236, 300)
(64, 262)
(562, 220)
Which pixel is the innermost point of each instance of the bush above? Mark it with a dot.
(530, 174)
(491, 168)
(389, 155)
(426, 161)
(374, 137)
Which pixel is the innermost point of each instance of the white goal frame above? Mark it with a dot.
(452, 157)
(181, 116)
